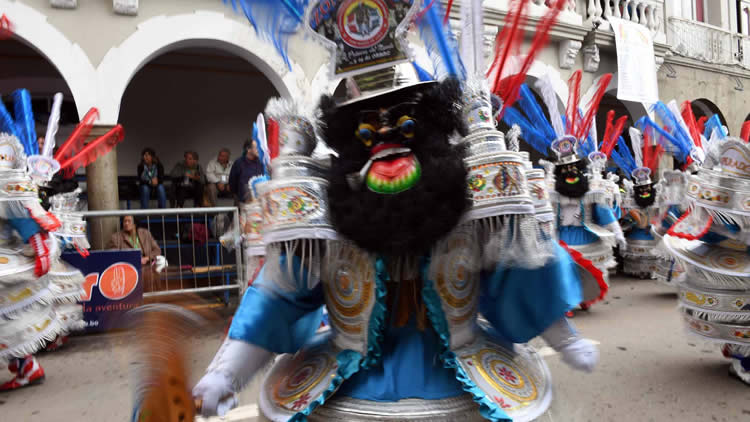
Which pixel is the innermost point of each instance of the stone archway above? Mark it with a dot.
(635, 110)
(704, 107)
(31, 28)
(162, 34)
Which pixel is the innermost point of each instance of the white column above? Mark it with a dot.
(687, 9)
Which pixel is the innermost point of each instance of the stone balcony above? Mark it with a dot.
(649, 13)
(707, 43)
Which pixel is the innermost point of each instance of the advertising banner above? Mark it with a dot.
(636, 67)
(113, 286)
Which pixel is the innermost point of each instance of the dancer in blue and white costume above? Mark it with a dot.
(586, 223)
(385, 238)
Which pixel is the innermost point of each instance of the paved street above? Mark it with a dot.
(649, 371)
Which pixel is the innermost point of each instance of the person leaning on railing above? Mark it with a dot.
(131, 237)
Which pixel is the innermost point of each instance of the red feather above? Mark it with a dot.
(745, 134)
(689, 118)
(507, 42)
(651, 156)
(448, 12)
(272, 135)
(593, 106)
(95, 149)
(574, 98)
(612, 132)
(702, 124)
(541, 38)
(76, 140)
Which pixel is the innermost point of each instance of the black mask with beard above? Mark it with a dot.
(644, 195)
(570, 179)
(411, 198)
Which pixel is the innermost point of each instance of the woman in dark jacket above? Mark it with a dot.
(151, 177)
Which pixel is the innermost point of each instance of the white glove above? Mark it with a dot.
(160, 263)
(232, 367)
(216, 392)
(621, 242)
(581, 354)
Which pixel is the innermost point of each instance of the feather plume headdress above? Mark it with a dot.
(563, 134)
(73, 154)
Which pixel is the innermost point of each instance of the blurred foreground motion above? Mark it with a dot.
(162, 333)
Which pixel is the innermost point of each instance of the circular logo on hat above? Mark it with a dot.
(363, 23)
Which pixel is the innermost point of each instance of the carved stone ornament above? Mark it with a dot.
(568, 52)
(125, 7)
(591, 58)
(64, 4)
(658, 62)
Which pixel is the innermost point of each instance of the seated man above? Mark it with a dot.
(188, 179)
(217, 176)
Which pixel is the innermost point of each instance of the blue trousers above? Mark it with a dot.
(161, 195)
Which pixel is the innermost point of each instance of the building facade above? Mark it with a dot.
(191, 74)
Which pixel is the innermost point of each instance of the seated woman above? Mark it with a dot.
(151, 177)
(131, 237)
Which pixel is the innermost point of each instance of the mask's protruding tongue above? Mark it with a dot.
(395, 175)
(355, 179)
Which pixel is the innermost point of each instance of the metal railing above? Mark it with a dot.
(198, 262)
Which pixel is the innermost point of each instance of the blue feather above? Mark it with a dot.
(714, 123)
(422, 74)
(534, 112)
(274, 20)
(26, 127)
(623, 157)
(529, 132)
(679, 136)
(261, 151)
(441, 45)
(587, 146)
(672, 144)
(7, 125)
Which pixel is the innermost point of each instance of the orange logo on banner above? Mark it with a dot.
(88, 286)
(118, 281)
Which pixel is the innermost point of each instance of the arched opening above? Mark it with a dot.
(199, 99)
(706, 108)
(23, 67)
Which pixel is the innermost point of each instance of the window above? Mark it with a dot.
(699, 8)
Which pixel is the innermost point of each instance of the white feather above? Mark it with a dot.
(472, 28)
(636, 141)
(672, 106)
(52, 125)
(544, 85)
(593, 134)
(263, 139)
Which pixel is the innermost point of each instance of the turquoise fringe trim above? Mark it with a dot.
(487, 408)
(350, 362)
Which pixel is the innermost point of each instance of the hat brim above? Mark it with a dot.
(383, 95)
